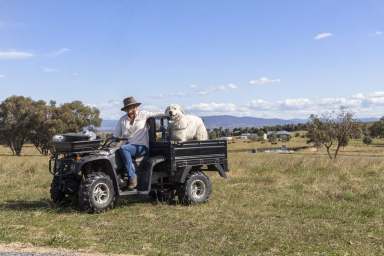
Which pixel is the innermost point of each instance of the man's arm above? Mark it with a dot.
(118, 132)
(152, 114)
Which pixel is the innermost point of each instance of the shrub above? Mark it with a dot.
(367, 140)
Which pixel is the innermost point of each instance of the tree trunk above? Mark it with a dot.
(18, 149)
(18, 152)
(11, 146)
(337, 151)
(19, 146)
(329, 152)
(328, 147)
(39, 149)
(45, 151)
(12, 149)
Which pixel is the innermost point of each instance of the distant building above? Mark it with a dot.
(252, 136)
(280, 135)
(229, 139)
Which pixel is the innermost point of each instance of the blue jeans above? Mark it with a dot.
(128, 151)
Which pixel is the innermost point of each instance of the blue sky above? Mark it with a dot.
(273, 58)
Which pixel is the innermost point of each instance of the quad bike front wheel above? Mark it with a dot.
(96, 193)
(57, 195)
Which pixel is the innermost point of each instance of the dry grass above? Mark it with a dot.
(241, 145)
(299, 204)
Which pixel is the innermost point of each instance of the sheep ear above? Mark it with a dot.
(182, 110)
(166, 110)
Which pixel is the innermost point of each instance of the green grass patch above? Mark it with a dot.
(299, 204)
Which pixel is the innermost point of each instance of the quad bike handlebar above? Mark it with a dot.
(113, 139)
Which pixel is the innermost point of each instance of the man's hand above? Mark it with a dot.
(119, 138)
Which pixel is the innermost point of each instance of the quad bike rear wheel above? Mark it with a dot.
(196, 189)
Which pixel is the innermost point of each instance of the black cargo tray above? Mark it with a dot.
(77, 146)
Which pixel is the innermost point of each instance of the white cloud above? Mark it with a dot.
(331, 101)
(232, 86)
(153, 108)
(294, 104)
(178, 94)
(15, 55)
(376, 95)
(219, 88)
(170, 95)
(2, 76)
(59, 52)
(203, 93)
(49, 70)
(379, 33)
(224, 87)
(321, 36)
(159, 96)
(263, 81)
(373, 99)
(213, 108)
(358, 96)
(362, 104)
(209, 90)
(260, 104)
(111, 109)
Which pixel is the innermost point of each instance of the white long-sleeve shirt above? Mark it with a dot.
(137, 133)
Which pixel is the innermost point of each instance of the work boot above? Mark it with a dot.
(132, 182)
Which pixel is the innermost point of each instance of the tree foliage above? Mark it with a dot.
(24, 120)
(367, 140)
(335, 129)
(377, 129)
(16, 121)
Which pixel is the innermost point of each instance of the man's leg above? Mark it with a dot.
(141, 150)
(128, 151)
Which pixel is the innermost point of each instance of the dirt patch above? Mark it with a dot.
(28, 248)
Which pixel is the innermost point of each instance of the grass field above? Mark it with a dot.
(272, 204)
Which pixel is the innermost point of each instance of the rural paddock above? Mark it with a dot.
(272, 204)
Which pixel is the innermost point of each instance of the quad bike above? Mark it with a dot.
(91, 172)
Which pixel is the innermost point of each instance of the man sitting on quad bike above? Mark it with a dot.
(133, 127)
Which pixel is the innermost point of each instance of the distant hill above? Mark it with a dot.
(368, 120)
(108, 125)
(227, 121)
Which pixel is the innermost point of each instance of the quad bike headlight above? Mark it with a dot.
(58, 138)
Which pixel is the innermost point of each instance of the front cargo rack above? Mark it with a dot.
(76, 146)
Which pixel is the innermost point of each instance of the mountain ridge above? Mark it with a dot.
(225, 121)
(230, 122)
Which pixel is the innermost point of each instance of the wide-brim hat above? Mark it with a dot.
(130, 101)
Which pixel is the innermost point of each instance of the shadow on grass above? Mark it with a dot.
(378, 145)
(37, 205)
(48, 206)
(10, 155)
(145, 200)
(316, 154)
(22, 205)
